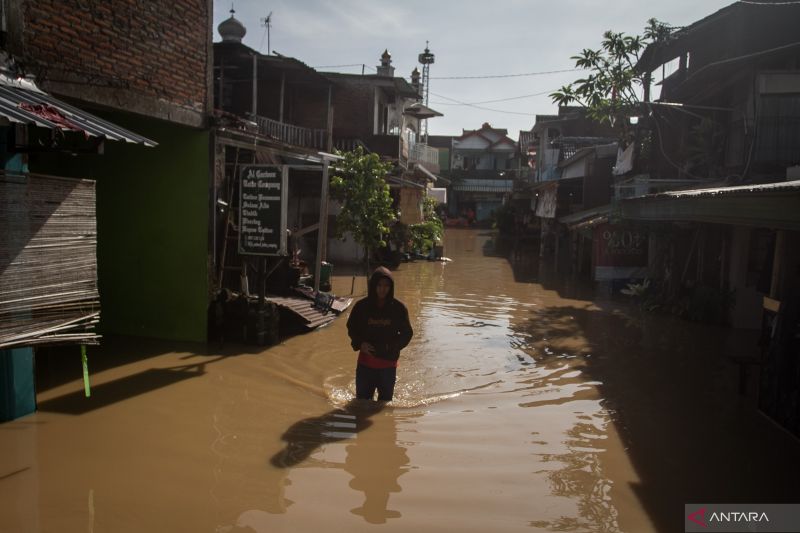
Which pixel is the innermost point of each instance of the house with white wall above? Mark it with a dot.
(483, 166)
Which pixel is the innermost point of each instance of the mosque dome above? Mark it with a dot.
(231, 30)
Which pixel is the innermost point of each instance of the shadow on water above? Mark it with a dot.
(105, 394)
(305, 436)
(56, 367)
(672, 396)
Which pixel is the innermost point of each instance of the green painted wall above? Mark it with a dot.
(17, 389)
(152, 223)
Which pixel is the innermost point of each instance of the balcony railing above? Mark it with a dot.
(349, 144)
(424, 155)
(291, 134)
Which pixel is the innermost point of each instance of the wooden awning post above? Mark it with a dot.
(255, 86)
(283, 90)
(323, 224)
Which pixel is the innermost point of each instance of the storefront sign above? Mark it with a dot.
(620, 252)
(262, 213)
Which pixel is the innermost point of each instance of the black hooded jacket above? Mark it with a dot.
(387, 328)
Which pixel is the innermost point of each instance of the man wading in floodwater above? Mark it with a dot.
(379, 328)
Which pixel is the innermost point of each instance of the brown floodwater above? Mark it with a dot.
(521, 405)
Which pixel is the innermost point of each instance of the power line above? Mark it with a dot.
(492, 76)
(483, 108)
(506, 75)
(500, 99)
(795, 2)
(343, 66)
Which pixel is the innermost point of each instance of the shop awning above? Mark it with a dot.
(421, 111)
(769, 205)
(21, 101)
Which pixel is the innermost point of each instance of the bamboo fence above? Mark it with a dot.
(48, 263)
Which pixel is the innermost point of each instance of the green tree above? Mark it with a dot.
(358, 183)
(425, 234)
(611, 89)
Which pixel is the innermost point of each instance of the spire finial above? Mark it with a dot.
(232, 11)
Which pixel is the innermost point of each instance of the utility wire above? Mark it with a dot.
(498, 100)
(504, 75)
(494, 76)
(795, 2)
(746, 56)
(343, 66)
(483, 108)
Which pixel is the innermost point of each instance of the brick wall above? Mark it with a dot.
(146, 56)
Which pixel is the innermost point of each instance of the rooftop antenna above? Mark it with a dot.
(426, 58)
(267, 23)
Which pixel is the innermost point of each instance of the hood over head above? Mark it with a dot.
(380, 272)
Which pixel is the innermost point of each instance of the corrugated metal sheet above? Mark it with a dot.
(21, 101)
(772, 205)
(782, 186)
(305, 309)
(587, 218)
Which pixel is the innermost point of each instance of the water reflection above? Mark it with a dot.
(580, 476)
(376, 462)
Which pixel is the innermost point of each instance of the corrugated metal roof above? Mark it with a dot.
(21, 101)
(782, 186)
(305, 309)
(770, 205)
(588, 217)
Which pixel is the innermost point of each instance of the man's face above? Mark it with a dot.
(382, 289)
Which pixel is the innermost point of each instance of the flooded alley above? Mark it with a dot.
(520, 406)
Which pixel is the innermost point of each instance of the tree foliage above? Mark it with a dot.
(425, 234)
(610, 90)
(358, 182)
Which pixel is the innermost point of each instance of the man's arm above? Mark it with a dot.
(355, 325)
(405, 331)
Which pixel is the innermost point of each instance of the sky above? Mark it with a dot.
(501, 41)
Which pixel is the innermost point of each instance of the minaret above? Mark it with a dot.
(415, 81)
(386, 68)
